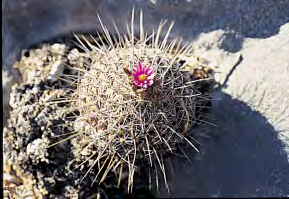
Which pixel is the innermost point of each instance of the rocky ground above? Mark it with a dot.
(32, 168)
(41, 116)
(248, 156)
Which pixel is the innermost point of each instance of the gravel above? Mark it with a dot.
(35, 123)
(249, 154)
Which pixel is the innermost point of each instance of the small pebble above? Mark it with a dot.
(56, 71)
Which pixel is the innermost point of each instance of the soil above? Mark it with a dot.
(36, 122)
(247, 155)
(33, 169)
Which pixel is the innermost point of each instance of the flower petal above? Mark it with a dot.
(146, 71)
(150, 82)
(146, 68)
(149, 72)
(151, 77)
(149, 69)
(140, 67)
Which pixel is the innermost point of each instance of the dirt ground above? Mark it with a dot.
(247, 154)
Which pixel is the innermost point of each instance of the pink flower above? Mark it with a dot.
(143, 75)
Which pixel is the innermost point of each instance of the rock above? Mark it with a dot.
(56, 70)
(58, 49)
(37, 150)
(21, 18)
(73, 55)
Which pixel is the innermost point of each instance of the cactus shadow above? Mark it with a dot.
(243, 157)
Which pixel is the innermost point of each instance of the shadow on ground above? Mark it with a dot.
(245, 157)
(28, 22)
(242, 158)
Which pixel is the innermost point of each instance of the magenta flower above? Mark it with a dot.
(143, 75)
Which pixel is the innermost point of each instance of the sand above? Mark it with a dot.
(247, 155)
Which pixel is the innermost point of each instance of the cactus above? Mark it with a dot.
(136, 101)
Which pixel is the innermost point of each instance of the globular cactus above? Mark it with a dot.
(135, 101)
